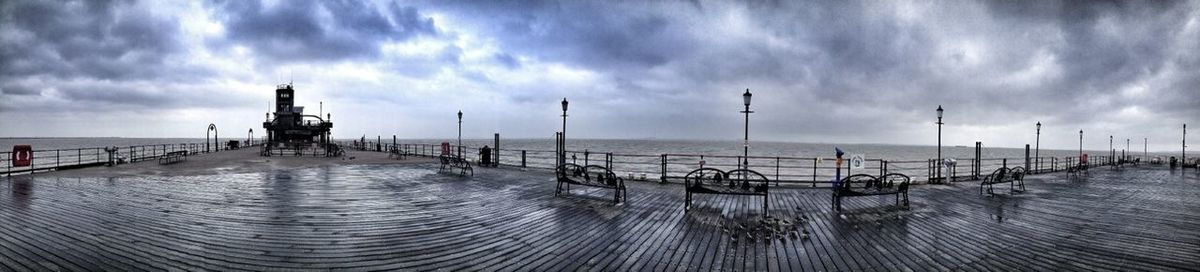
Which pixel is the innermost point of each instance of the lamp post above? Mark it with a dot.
(1146, 149)
(938, 164)
(1183, 155)
(1123, 155)
(563, 158)
(460, 134)
(746, 141)
(1111, 152)
(1037, 148)
(1081, 144)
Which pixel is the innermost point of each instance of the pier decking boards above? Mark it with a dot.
(407, 217)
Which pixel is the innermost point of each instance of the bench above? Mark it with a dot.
(334, 150)
(735, 182)
(173, 157)
(449, 163)
(591, 175)
(395, 152)
(1015, 177)
(1077, 169)
(889, 184)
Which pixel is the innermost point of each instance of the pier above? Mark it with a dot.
(376, 213)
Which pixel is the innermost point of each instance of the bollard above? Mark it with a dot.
(522, 158)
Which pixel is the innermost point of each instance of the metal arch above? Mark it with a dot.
(213, 128)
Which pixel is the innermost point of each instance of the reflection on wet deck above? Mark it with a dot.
(408, 217)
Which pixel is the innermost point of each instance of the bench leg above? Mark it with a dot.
(687, 201)
(558, 188)
(765, 205)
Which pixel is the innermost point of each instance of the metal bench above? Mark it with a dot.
(449, 163)
(591, 175)
(173, 157)
(889, 184)
(397, 153)
(735, 182)
(1015, 177)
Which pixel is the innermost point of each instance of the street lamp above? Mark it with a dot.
(460, 134)
(1123, 155)
(1111, 152)
(938, 163)
(1037, 148)
(563, 158)
(746, 142)
(1183, 156)
(1081, 144)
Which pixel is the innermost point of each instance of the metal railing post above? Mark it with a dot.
(663, 176)
(776, 171)
(814, 174)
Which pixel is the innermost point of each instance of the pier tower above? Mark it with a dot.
(291, 127)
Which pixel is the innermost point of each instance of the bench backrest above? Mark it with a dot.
(997, 175)
(1017, 173)
(602, 174)
(746, 175)
(897, 180)
(570, 171)
(705, 176)
(865, 180)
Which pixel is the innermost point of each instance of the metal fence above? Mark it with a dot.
(793, 171)
(59, 159)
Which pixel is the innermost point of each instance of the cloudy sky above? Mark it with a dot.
(829, 71)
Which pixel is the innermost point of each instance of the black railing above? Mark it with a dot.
(57, 159)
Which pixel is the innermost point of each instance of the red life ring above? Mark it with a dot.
(22, 156)
(445, 148)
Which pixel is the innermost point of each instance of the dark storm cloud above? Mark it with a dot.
(599, 35)
(293, 30)
(993, 62)
(94, 39)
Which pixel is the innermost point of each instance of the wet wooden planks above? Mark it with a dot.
(379, 217)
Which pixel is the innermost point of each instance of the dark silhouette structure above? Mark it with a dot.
(290, 127)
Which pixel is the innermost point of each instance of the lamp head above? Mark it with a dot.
(459, 115)
(564, 104)
(1039, 125)
(746, 97)
(939, 110)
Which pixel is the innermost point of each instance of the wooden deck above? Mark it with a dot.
(380, 217)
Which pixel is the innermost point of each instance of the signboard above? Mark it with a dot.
(858, 161)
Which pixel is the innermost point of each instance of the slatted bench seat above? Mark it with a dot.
(1015, 177)
(734, 182)
(450, 163)
(592, 176)
(868, 185)
(173, 157)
